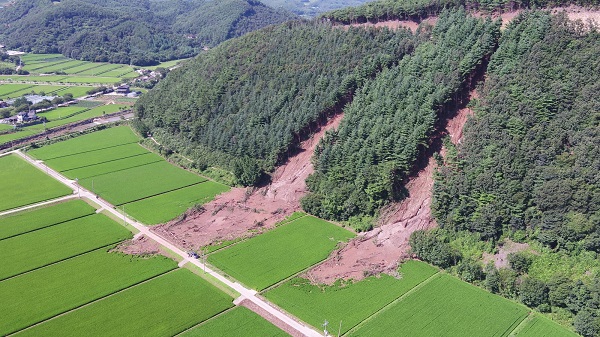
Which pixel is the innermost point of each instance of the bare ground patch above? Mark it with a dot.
(141, 245)
(242, 212)
(500, 259)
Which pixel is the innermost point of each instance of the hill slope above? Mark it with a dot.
(137, 32)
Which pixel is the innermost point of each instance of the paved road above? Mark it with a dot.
(24, 208)
(245, 292)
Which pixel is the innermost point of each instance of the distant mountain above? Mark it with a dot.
(139, 32)
(311, 8)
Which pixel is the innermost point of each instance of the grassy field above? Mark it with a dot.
(96, 157)
(37, 89)
(112, 166)
(7, 89)
(47, 292)
(94, 141)
(280, 253)
(4, 127)
(52, 244)
(164, 207)
(446, 306)
(541, 326)
(62, 112)
(140, 182)
(30, 220)
(163, 306)
(239, 321)
(23, 184)
(22, 78)
(76, 91)
(348, 302)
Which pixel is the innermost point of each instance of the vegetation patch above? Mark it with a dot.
(239, 321)
(30, 220)
(280, 253)
(164, 306)
(44, 293)
(446, 306)
(347, 302)
(164, 207)
(23, 184)
(52, 244)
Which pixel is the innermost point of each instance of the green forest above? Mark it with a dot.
(383, 10)
(135, 32)
(528, 169)
(247, 103)
(361, 166)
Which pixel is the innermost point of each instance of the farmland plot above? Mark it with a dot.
(167, 206)
(23, 184)
(96, 157)
(163, 306)
(38, 89)
(280, 253)
(134, 184)
(62, 112)
(7, 89)
(30, 220)
(446, 306)
(541, 326)
(33, 297)
(94, 141)
(239, 321)
(112, 166)
(52, 244)
(348, 302)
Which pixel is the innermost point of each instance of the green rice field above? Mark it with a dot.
(239, 321)
(33, 219)
(62, 112)
(112, 166)
(349, 302)
(96, 157)
(7, 89)
(34, 297)
(23, 184)
(541, 326)
(132, 184)
(164, 207)
(56, 243)
(163, 306)
(94, 141)
(280, 253)
(446, 306)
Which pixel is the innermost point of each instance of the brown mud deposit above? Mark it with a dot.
(269, 317)
(242, 212)
(381, 249)
(141, 245)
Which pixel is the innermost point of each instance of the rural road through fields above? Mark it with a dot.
(246, 293)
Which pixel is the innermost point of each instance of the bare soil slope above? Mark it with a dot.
(244, 211)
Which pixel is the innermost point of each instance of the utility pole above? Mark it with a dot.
(78, 193)
(325, 328)
(340, 329)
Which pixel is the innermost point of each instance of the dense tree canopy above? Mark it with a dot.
(258, 95)
(382, 10)
(137, 32)
(363, 164)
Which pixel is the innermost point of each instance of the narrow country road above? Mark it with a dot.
(246, 293)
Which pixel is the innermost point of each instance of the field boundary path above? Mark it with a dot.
(246, 293)
(39, 204)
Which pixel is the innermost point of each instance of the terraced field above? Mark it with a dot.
(280, 253)
(22, 184)
(110, 164)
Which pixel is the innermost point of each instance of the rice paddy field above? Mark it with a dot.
(42, 217)
(349, 302)
(163, 306)
(239, 321)
(541, 326)
(23, 184)
(72, 283)
(264, 260)
(110, 164)
(52, 244)
(445, 306)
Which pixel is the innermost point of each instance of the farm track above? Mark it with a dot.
(246, 294)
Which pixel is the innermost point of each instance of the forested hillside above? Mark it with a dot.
(383, 10)
(361, 166)
(528, 169)
(137, 32)
(257, 96)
